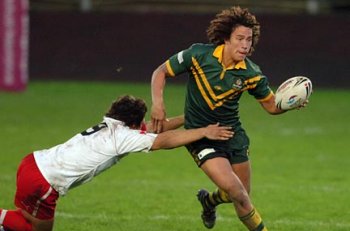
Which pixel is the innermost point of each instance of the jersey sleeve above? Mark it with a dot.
(180, 62)
(262, 91)
(130, 140)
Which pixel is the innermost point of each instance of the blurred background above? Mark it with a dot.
(125, 40)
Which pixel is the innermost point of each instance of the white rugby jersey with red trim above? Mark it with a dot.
(89, 153)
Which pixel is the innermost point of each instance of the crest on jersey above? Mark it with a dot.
(218, 88)
(237, 84)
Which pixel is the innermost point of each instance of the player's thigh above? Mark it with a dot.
(219, 170)
(243, 171)
(34, 194)
(38, 224)
(44, 225)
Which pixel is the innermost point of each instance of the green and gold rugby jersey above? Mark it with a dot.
(213, 90)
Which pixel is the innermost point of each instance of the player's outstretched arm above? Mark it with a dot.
(270, 106)
(168, 124)
(176, 138)
(173, 123)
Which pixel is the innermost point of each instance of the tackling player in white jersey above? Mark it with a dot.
(45, 175)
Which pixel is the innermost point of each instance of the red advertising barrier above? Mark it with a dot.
(13, 44)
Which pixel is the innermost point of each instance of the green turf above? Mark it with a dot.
(300, 162)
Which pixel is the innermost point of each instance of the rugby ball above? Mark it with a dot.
(293, 92)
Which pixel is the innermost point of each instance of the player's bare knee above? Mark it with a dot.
(238, 196)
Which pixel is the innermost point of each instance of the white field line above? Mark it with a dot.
(103, 216)
(313, 223)
(305, 131)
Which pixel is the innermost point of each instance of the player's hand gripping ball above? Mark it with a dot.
(293, 93)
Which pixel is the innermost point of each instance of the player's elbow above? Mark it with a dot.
(272, 112)
(275, 111)
(158, 144)
(164, 141)
(155, 147)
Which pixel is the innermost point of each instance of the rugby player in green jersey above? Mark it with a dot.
(219, 72)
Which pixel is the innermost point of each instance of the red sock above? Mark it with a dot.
(14, 220)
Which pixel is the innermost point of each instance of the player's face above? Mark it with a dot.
(239, 44)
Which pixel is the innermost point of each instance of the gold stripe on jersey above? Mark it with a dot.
(207, 84)
(204, 79)
(267, 97)
(227, 93)
(207, 91)
(251, 83)
(253, 80)
(200, 87)
(204, 87)
(168, 67)
(197, 70)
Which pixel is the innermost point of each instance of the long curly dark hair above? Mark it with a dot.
(226, 21)
(129, 109)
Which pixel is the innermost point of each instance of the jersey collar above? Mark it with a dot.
(218, 54)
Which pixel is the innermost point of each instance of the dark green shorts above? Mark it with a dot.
(204, 150)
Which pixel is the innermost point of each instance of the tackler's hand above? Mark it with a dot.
(217, 132)
(158, 116)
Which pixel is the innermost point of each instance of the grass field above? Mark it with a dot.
(300, 161)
